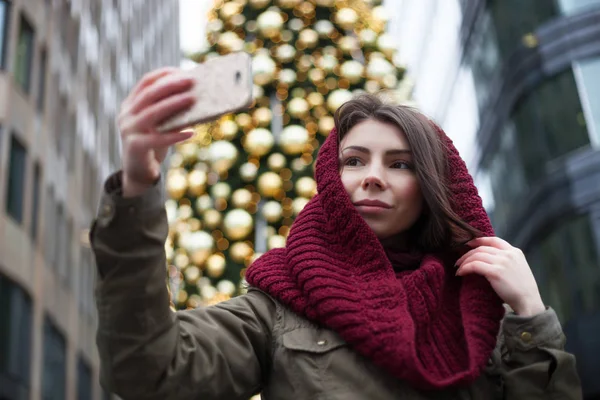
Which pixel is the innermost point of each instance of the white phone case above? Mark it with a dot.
(223, 86)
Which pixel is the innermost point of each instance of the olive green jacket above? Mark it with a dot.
(252, 344)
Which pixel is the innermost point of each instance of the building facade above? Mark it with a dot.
(517, 86)
(65, 67)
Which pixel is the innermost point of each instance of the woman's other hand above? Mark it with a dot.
(158, 95)
(507, 270)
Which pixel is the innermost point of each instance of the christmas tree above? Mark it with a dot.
(237, 185)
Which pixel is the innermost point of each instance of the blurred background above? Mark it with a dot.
(515, 84)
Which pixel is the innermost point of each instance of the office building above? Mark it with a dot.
(65, 67)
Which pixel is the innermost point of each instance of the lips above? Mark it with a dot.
(372, 203)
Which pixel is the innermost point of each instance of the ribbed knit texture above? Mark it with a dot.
(424, 326)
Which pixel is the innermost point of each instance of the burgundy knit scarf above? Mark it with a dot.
(423, 325)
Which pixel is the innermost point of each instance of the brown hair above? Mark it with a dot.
(439, 226)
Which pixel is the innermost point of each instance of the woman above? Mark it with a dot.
(364, 302)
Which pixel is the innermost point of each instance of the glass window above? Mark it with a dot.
(54, 363)
(506, 177)
(577, 6)
(16, 179)
(515, 18)
(565, 264)
(84, 380)
(24, 56)
(41, 95)
(549, 123)
(4, 20)
(35, 201)
(15, 339)
(50, 229)
(484, 57)
(588, 78)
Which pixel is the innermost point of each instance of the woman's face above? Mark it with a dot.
(377, 172)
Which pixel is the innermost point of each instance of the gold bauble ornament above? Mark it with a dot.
(199, 245)
(287, 76)
(387, 45)
(184, 212)
(306, 187)
(293, 139)
(326, 124)
(220, 190)
(212, 218)
(191, 273)
(258, 4)
(325, 3)
(222, 155)
(272, 211)
(177, 183)
(189, 152)
(285, 53)
(226, 287)
(238, 20)
(230, 41)
(241, 198)
(240, 251)
(244, 120)
(262, 116)
(203, 203)
(296, 24)
(237, 224)
(270, 23)
(298, 204)
(208, 292)
(269, 184)
(181, 260)
(276, 242)
(298, 164)
(215, 266)
(315, 99)
(324, 28)
(309, 38)
(216, 25)
(259, 141)
(337, 98)
(276, 162)
(263, 69)
(380, 15)
(288, 3)
(346, 18)
(328, 62)
(298, 108)
(368, 37)
(372, 86)
(348, 44)
(248, 171)
(352, 70)
(379, 67)
(228, 129)
(197, 182)
(316, 75)
(229, 9)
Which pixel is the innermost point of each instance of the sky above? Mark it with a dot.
(193, 23)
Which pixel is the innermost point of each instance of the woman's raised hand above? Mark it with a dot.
(158, 95)
(507, 270)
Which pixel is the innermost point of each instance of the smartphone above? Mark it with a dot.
(223, 86)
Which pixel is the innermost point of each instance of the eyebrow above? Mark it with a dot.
(366, 151)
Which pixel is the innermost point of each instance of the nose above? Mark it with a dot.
(374, 179)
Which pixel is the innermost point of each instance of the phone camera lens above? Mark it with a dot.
(238, 77)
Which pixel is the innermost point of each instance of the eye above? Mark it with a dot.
(402, 165)
(352, 162)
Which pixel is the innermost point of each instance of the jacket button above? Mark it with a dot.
(322, 342)
(526, 337)
(106, 210)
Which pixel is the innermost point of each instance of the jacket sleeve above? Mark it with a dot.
(148, 351)
(532, 361)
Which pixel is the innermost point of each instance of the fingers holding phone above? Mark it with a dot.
(158, 96)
